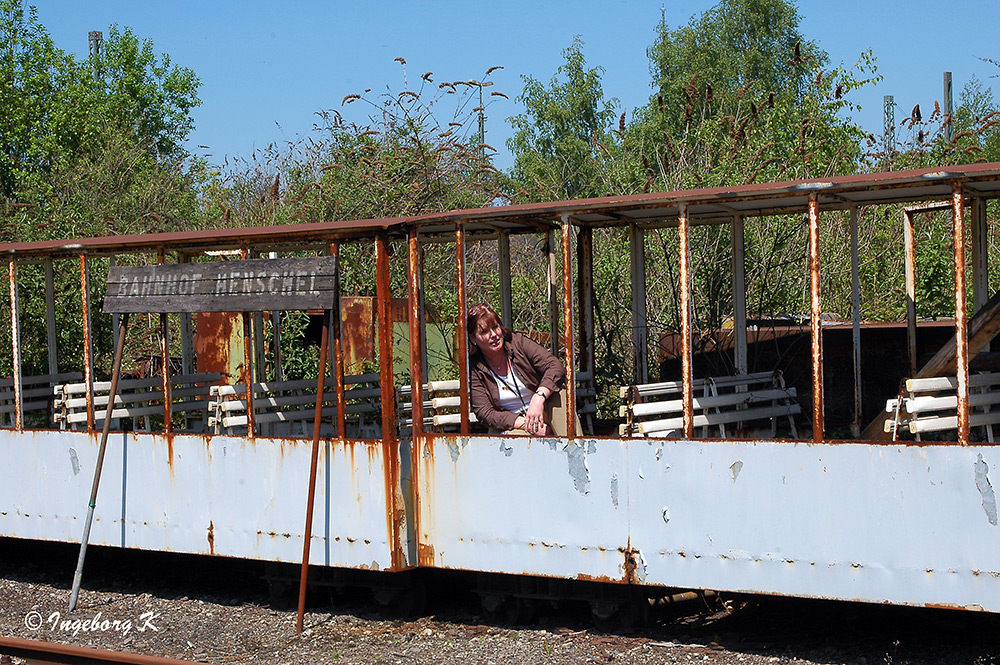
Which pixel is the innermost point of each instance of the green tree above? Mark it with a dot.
(556, 138)
(58, 110)
(752, 46)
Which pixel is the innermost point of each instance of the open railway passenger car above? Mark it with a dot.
(678, 494)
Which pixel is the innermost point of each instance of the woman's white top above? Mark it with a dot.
(514, 395)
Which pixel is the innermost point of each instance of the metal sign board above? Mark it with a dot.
(224, 286)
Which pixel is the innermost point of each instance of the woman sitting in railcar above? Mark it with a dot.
(516, 386)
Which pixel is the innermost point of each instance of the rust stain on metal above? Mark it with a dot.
(358, 330)
(961, 329)
(583, 577)
(215, 342)
(631, 563)
(211, 537)
(815, 320)
(425, 555)
(685, 305)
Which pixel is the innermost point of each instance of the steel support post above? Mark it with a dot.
(15, 343)
(856, 321)
(740, 360)
(416, 340)
(585, 298)
(550, 249)
(88, 363)
(165, 360)
(816, 321)
(50, 318)
(683, 227)
(463, 334)
(506, 305)
(338, 350)
(961, 327)
(248, 362)
(567, 252)
(910, 264)
(640, 328)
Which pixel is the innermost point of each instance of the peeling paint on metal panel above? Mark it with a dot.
(454, 451)
(506, 448)
(666, 515)
(985, 489)
(736, 467)
(614, 489)
(74, 461)
(577, 461)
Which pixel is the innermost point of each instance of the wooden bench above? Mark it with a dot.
(138, 399)
(279, 405)
(36, 395)
(931, 405)
(656, 409)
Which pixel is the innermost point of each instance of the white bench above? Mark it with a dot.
(441, 407)
(277, 405)
(656, 409)
(931, 404)
(138, 399)
(36, 394)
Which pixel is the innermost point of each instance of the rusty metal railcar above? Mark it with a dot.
(902, 522)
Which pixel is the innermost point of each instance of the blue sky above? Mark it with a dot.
(266, 68)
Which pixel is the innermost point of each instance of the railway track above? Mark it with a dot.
(38, 652)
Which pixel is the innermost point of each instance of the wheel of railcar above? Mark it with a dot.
(633, 614)
(604, 613)
(507, 610)
(401, 601)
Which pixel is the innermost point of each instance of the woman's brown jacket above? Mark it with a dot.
(535, 366)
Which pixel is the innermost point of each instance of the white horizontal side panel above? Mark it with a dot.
(879, 523)
(523, 506)
(202, 495)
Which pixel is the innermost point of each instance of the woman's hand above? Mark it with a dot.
(534, 420)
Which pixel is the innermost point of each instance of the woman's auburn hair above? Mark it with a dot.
(483, 314)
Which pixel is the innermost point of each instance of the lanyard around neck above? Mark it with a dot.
(513, 378)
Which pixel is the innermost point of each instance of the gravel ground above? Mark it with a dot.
(215, 610)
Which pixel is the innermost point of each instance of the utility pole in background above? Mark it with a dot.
(96, 38)
(889, 120)
(482, 117)
(949, 126)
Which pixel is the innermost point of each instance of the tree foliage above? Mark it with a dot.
(79, 136)
(555, 138)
